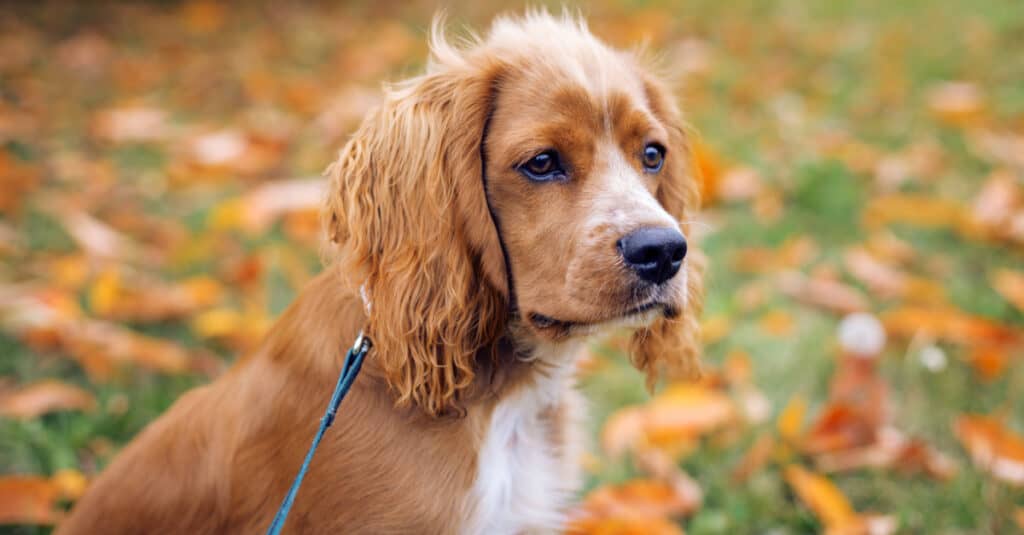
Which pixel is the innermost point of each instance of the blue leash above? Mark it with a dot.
(353, 361)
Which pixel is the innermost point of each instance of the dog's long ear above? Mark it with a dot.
(672, 345)
(407, 212)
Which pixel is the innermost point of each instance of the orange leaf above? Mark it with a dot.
(639, 498)
(993, 446)
(989, 361)
(45, 397)
(821, 496)
(28, 500)
(707, 167)
(947, 324)
(622, 526)
(686, 410)
(1010, 285)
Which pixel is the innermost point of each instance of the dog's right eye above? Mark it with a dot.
(543, 167)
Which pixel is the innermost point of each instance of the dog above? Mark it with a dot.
(531, 190)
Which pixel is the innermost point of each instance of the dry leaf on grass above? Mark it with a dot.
(917, 210)
(830, 295)
(44, 397)
(51, 317)
(637, 506)
(1010, 285)
(957, 103)
(33, 499)
(258, 209)
(888, 281)
(947, 324)
(831, 506)
(993, 446)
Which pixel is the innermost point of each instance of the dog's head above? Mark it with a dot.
(535, 176)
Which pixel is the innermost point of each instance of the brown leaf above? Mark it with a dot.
(44, 397)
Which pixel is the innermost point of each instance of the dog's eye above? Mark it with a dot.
(653, 157)
(542, 167)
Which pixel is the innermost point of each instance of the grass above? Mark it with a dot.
(782, 75)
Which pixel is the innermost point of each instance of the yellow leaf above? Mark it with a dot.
(217, 322)
(71, 482)
(791, 420)
(916, 210)
(103, 294)
(715, 328)
(777, 322)
(820, 495)
(44, 397)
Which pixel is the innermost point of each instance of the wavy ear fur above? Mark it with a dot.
(672, 345)
(407, 211)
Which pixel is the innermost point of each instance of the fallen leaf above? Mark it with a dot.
(826, 294)
(715, 328)
(957, 103)
(130, 124)
(790, 423)
(28, 500)
(989, 362)
(1010, 285)
(792, 254)
(44, 397)
(638, 498)
(888, 281)
(947, 324)
(777, 322)
(993, 446)
(820, 495)
(260, 208)
(917, 210)
(707, 167)
(755, 458)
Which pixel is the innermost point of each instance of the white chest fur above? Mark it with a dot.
(525, 480)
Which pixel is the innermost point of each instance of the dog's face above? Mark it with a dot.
(575, 162)
(536, 179)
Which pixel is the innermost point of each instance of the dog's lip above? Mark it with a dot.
(542, 321)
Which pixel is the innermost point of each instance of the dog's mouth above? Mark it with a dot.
(641, 314)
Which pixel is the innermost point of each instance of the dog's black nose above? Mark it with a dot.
(655, 254)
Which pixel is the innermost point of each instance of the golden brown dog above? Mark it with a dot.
(532, 189)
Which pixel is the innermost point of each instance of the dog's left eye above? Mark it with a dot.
(543, 167)
(653, 157)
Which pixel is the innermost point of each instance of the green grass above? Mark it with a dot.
(783, 74)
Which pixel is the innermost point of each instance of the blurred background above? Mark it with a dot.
(863, 172)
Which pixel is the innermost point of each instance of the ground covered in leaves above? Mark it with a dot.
(863, 170)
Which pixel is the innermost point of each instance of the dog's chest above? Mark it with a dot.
(527, 468)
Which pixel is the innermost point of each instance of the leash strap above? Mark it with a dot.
(353, 362)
